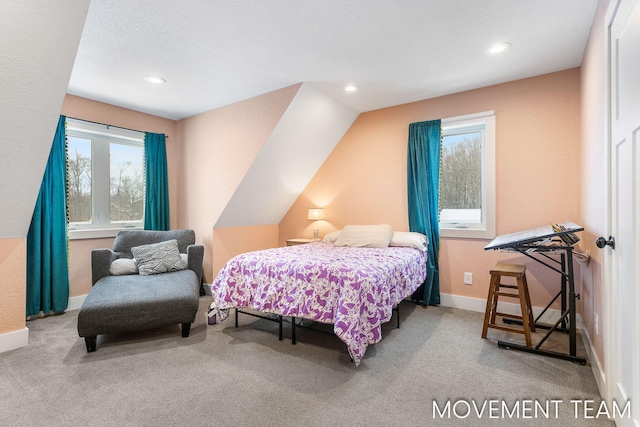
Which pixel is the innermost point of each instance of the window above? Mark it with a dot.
(105, 179)
(467, 176)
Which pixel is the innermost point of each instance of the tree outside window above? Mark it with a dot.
(105, 179)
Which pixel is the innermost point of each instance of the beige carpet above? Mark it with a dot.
(222, 376)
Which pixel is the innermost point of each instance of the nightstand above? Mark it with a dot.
(292, 242)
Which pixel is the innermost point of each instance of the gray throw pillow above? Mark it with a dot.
(158, 258)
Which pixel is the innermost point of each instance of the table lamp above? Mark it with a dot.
(315, 214)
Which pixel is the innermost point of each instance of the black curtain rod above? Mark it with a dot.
(108, 126)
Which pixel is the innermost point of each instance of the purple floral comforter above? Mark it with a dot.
(355, 289)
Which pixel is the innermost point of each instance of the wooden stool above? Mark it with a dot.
(519, 290)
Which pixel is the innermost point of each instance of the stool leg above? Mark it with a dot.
(490, 301)
(532, 321)
(494, 300)
(525, 311)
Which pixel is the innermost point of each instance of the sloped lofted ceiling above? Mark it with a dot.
(306, 134)
(38, 46)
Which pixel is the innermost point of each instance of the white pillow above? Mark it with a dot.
(409, 239)
(122, 266)
(158, 258)
(331, 237)
(365, 236)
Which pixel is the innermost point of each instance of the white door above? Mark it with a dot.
(623, 355)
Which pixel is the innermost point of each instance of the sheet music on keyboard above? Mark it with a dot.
(540, 238)
(538, 245)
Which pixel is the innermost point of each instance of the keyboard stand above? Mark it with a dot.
(538, 244)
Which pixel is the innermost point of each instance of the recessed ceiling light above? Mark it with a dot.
(498, 48)
(155, 79)
(351, 88)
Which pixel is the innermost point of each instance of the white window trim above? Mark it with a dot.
(98, 233)
(487, 228)
(78, 231)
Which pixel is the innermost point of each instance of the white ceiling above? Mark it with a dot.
(216, 52)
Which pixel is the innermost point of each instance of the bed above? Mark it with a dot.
(353, 288)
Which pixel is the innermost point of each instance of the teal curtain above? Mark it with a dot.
(47, 244)
(423, 184)
(156, 206)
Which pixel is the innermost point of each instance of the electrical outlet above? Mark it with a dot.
(468, 279)
(596, 323)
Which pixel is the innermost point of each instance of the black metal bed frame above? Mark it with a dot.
(279, 318)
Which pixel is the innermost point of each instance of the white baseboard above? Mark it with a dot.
(480, 305)
(14, 340)
(207, 288)
(17, 339)
(596, 365)
(75, 302)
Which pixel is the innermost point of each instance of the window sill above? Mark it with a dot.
(100, 233)
(468, 233)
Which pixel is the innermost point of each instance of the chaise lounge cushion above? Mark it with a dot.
(131, 303)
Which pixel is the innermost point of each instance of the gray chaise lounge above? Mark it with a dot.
(134, 302)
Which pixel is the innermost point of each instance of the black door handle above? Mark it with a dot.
(601, 242)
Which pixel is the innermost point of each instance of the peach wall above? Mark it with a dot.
(593, 177)
(219, 147)
(13, 284)
(232, 241)
(80, 263)
(81, 108)
(537, 171)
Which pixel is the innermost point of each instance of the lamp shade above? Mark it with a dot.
(315, 214)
